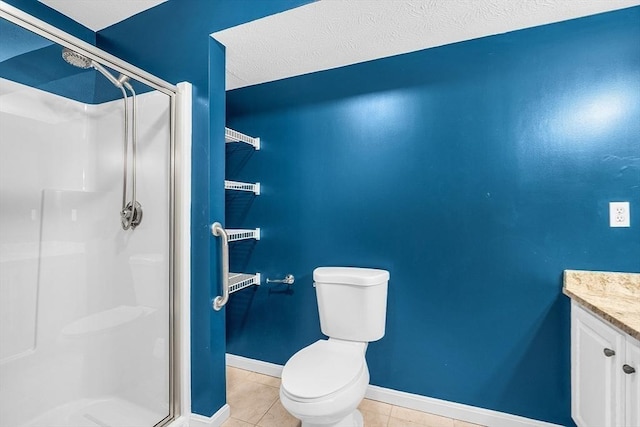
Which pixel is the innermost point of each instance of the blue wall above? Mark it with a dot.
(55, 18)
(32, 60)
(475, 173)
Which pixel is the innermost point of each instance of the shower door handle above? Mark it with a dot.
(218, 231)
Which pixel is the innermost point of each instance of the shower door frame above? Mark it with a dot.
(178, 394)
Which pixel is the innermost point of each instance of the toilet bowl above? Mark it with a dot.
(323, 384)
(332, 389)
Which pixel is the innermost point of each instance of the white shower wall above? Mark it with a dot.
(84, 305)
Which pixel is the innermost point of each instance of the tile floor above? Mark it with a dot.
(254, 401)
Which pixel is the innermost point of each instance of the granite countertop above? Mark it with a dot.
(615, 297)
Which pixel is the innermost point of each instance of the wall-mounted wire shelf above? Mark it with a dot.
(231, 135)
(239, 281)
(243, 234)
(242, 186)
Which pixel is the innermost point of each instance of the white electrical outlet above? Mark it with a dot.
(619, 215)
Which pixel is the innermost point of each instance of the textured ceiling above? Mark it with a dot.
(99, 14)
(334, 33)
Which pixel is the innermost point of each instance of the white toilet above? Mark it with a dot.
(324, 383)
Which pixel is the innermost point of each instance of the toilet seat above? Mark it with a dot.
(324, 368)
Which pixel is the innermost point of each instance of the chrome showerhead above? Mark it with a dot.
(75, 59)
(79, 60)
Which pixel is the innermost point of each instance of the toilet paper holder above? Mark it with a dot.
(289, 279)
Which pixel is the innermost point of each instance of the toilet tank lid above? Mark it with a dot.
(350, 275)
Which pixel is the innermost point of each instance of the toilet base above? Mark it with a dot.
(354, 419)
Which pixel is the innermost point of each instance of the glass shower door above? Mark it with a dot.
(85, 332)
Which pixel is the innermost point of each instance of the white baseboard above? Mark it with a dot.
(458, 411)
(254, 365)
(472, 414)
(214, 420)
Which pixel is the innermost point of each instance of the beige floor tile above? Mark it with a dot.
(396, 422)
(264, 379)
(277, 416)
(420, 418)
(232, 422)
(253, 399)
(249, 401)
(375, 406)
(374, 419)
(459, 423)
(235, 376)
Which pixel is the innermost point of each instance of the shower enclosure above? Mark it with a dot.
(86, 285)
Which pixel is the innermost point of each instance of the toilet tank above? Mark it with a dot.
(352, 302)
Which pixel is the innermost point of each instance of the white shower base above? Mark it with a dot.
(103, 412)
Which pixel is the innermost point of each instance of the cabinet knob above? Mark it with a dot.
(628, 369)
(608, 352)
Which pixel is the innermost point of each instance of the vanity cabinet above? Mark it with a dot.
(632, 383)
(605, 384)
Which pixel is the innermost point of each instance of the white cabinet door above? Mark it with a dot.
(596, 388)
(632, 382)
